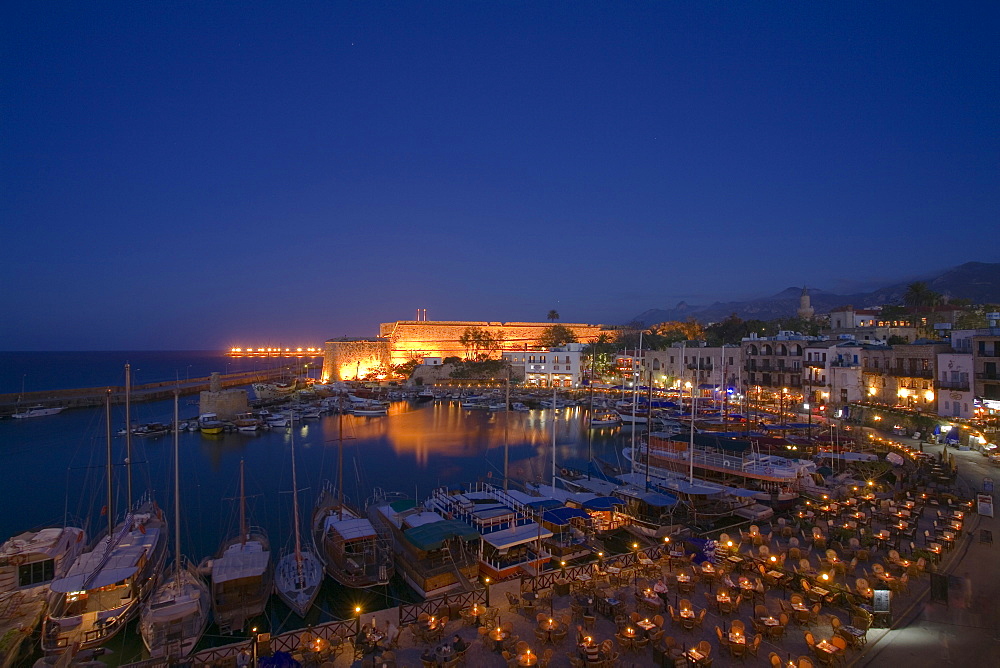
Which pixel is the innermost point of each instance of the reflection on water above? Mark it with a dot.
(54, 467)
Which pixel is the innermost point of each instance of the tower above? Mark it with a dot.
(805, 309)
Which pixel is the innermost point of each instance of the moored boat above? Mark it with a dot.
(38, 411)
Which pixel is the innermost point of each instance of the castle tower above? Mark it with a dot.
(806, 310)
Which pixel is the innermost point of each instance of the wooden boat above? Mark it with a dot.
(299, 573)
(242, 574)
(351, 549)
(174, 618)
(434, 555)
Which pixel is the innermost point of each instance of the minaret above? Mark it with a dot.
(805, 309)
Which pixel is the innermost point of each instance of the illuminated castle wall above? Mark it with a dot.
(403, 340)
(415, 339)
(352, 359)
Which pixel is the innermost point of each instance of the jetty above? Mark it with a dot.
(90, 397)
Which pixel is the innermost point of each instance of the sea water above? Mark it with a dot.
(55, 467)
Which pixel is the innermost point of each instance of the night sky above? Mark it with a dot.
(199, 175)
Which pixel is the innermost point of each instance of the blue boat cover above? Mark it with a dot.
(562, 516)
(544, 504)
(658, 500)
(602, 503)
(432, 536)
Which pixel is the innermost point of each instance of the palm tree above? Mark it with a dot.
(919, 294)
(553, 315)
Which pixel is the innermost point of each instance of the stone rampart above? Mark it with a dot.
(354, 359)
(415, 339)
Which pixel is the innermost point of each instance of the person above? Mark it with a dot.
(428, 655)
(661, 590)
(243, 659)
(459, 644)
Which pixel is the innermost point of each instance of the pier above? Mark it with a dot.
(90, 397)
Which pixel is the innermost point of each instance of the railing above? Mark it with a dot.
(439, 605)
(988, 376)
(952, 385)
(910, 373)
(815, 363)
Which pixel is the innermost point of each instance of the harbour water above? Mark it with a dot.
(54, 468)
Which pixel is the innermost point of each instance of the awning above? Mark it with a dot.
(428, 537)
(561, 516)
(602, 503)
(525, 533)
(402, 504)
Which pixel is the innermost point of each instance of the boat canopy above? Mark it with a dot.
(97, 569)
(561, 516)
(403, 504)
(428, 537)
(351, 528)
(516, 535)
(241, 561)
(603, 503)
(657, 500)
(544, 504)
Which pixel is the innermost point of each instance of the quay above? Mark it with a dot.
(94, 396)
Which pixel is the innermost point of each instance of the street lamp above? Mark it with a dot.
(486, 582)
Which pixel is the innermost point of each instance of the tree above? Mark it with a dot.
(556, 335)
(673, 331)
(553, 315)
(480, 343)
(919, 294)
(406, 369)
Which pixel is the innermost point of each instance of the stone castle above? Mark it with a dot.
(404, 340)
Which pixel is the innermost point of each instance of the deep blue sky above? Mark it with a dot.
(198, 175)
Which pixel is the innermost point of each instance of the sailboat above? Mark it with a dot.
(104, 588)
(242, 573)
(351, 549)
(174, 618)
(299, 573)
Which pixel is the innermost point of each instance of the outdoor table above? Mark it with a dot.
(653, 600)
(707, 567)
(777, 575)
(858, 634)
(614, 570)
(723, 597)
(768, 621)
(683, 577)
(820, 591)
(646, 561)
(734, 559)
(475, 612)
(498, 635)
(444, 652)
(646, 625)
(529, 658)
(737, 638)
(800, 607)
(687, 613)
(694, 656)
(608, 607)
(825, 646)
(583, 577)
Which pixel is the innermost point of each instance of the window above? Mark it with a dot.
(35, 573)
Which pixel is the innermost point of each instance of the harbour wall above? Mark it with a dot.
(94, 396)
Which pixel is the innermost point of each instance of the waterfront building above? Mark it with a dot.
(559, 367)
(832, 372)
(955, 397)
(903, 375)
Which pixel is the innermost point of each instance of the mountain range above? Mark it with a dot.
(976, 281)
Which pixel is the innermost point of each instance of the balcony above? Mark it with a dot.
(988, 376)
(816, 364)
(910, 373)
(703, 367)
(958, 385)
(843, 364)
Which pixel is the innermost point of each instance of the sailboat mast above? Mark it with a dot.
(635, 397)
(295, 508)
(340, 463)
(554, 417)
(177, 486)
(128, 434)
(243, 507)
(691, 443)
(506, 432)
(111, 506)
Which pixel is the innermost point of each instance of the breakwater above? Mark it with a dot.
(89, 397)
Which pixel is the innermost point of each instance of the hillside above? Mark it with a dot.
(976, 281)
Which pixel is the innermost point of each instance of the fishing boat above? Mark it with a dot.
(174, 618)
(247, 423)
(209, 423)
(38, 411)
(242, 573)
(433, 554)
(274, 391)
(104, 588)
(299, 573)
(350, 547)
